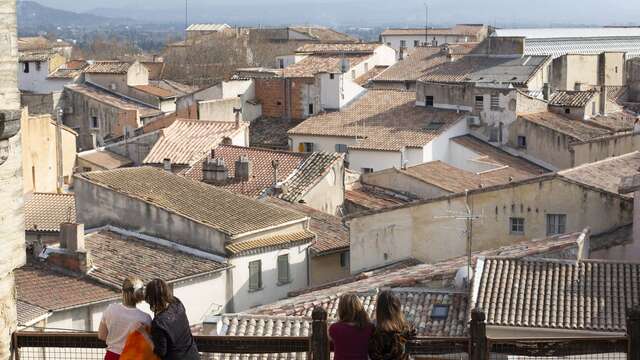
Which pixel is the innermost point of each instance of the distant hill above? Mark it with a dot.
(33, 16)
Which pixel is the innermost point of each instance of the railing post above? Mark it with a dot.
(319, 335)
(633, 333)
(478, 336)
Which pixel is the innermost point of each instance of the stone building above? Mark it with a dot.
(11, 211)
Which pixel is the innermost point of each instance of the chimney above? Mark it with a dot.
(243, 168)
(214, 170)
(401, 54)
(546, 91)
(274, 164)
(72, 255)
(237, 112)
(603, 99)
(166, 164)
(72, 236)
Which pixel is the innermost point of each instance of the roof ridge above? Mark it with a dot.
(611, 158)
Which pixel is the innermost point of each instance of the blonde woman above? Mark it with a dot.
(350, 335)
(119, 320)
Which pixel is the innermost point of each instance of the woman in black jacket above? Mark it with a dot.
(170, 332)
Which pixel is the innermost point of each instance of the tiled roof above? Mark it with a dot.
(321, 63)
(113, 100)
(104, 158)
(372, 198)
(187, 141)
(285, 240)
(617, 94)
(36, 55)
(45, 288)
(568, 295)
(116, 256)
(616, 122)
(417, 277)
(576, 129)
(108, 67)
(308, 174)
(261, 167)
(324, 34)
(460, 30)
(259, 325)
(33, 43)
(174, 86)
(331, 233)
(338, 48)
(605, 174)
(508, 167)
(156, 91)
(46, 211)
(28, 312)
(220, 209)
(156, 70)
(417, 63)
(487, 69)
(571, 98)
(70, 70)
(382, 120)
(369, 75)
(444, 176)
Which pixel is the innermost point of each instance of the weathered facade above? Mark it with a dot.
(11, 211)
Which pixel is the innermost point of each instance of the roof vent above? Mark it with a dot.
(440, 312)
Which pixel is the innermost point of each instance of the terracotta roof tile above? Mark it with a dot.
(36, 55)
(286, 240)
(324, 34)
(382, 120)
(569, 295)
(220, 209)
(338, 48)
(113, 100)
(576, 129)
(105, 159)
(331, 233)
(108, 67)
(321, 63)
(461, 30)
(444, 176)
(308, 174)
(187, 141)
(616, 122)
(413, 66)
(571, 98)
(156, 91)
(262, 169)
(46, 211)
(28, 312)
(372, 198)
(365, 78)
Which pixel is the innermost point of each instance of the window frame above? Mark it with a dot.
(516, 225)
(307, 147)
(556, 224)
(478, 103)
(280, 280)
(341, 148)
(428, 99)
(252, 265)
(345, 260)
(522, 141)
(403, 44)
(94, 122)
(310, 109)
(494, 101)
(416, 43)
(366, 170)
(25, 67)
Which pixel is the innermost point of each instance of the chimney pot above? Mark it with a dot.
(72, 236)
(166, 164)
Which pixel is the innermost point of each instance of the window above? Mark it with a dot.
(616, 69)
(567, 111)
(94, 122)
(479, 103)
(495, 102)
(281, 63)
(353, 74)
(522, 142)
(440, 311)
(403, 43)
(367, 170)
(428, 101)
(341, 148)
(255, 275)
(283, 269)
(310, 109)
(344, 259)
(305, 147)
(416, 43)
(516, 225)
(556, 224)
(332, 76)
(38, 66)
(25, 68)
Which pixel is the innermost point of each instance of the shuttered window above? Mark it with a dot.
(283, 269)
(255, 275)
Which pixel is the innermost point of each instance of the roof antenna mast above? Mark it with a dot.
(426, 24)
(186, 18)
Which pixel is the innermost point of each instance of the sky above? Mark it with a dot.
(494, 12)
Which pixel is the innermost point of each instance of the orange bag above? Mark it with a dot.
(138, 347)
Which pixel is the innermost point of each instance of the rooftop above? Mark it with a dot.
(324, 34)
(208, 27)
(111, 99)
(104, 159)
(308, 174)
(571, 98)
(461, 30)
(606, 174)
(444, 176)
(564, 33)
(332, 234)
(44, 212)
(487, 69)
(187, 141)
(156, 91)
(36, 55)
(385, 120)
(372, 198)
(279, 241)
(338, 48)
(576, 129)
(220, 209)
(321, 63)
(569, 295)
(108, 67)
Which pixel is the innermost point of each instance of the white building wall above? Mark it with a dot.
(463, 158)
(36, 79)
(235, 88)
(376, 160)
(203, 296)
(330, 90)
(320, 143)
(243, 298)
(440, 146)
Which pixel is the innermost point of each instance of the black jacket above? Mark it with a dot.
(171, 335)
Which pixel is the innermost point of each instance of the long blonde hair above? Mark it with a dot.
(132, 291)
(389, 316)
(350, 310)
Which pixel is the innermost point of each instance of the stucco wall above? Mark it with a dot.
(218, 110)
(36, 80)
(360, 159)
(97, 206)
(321, 143)
(328, 194)
(203, 295)
(610, 146)
(542, 143)
(42, 103)
(136, 148)
(415, 231)
(327, 268)
(395, 180)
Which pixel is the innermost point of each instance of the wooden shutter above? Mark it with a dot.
(255, 275)
(283, 269)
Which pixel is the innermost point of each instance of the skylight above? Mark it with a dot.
(440, 312)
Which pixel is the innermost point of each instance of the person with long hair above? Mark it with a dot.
(350, 334)
(119, 320)
(170, 331)
(391, 331)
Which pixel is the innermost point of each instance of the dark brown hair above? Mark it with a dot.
(158, 295)
(389, 315)
(350, 310)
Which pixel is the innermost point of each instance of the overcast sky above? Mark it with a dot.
(542, 12)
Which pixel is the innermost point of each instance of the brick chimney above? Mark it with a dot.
(72, 255)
